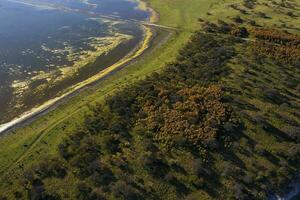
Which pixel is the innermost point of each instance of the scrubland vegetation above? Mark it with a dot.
(221, 121)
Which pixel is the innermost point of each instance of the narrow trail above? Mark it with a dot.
(159, 26)
(43, 133)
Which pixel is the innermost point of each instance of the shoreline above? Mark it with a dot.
(69, 92)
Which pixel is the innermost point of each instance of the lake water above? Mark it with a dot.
(47, 46)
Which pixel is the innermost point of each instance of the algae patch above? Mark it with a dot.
(76, 58)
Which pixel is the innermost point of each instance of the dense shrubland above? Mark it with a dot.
(273, 43)
(279, 45)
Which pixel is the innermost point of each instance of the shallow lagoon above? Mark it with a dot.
(47, 46)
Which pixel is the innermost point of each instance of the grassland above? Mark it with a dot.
(39, 139)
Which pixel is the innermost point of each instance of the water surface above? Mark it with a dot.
(47, 46)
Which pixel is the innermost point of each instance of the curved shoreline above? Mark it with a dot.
(138, 51)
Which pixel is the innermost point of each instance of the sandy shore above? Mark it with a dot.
(52, 103)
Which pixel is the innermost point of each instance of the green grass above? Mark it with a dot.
(49, 130)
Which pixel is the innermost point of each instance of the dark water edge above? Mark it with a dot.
(104, 61)
(18, 64)
(292, 191)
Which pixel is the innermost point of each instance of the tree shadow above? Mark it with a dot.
(272, 130)
(271, 158)
(241, 104)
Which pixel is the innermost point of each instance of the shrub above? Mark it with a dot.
(293, 154)
(155, 166)
(198, 117)
(197, 167)
(111, 143)
(199, 183)
(274, 96)
(277, 36)
(262, 15)
(293, 132)
(191, 197)
(249, 4)
(249, 178)
(123, 190)
(290, 13)
(51, 168)
(18, 195)
(83, 191)
(39, 193)
(259, 149)
(96, 194)
(252, 22)
(228, 170)
(239, 192)
(238, 20)
(239, 32)
(47, 169)
(69, 146)
(103, 177)
(88, 152)
(297, 64)
(3, 197)
(210, 27)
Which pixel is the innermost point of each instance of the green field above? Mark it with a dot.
(39, 139)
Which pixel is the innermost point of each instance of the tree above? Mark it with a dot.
(83, 191)
(238, 20)
(293, 132)
(197, 167)
(155, 166)
(103, 177)
(259, 149)
(38, 192)
(123, 190)
(96, 194)
(293, 154)
(239, 192)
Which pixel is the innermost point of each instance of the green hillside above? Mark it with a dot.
(211, 113)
